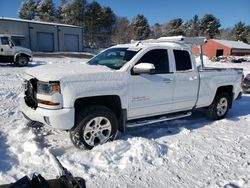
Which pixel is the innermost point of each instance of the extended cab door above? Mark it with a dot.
(151, 94)
(186, 81)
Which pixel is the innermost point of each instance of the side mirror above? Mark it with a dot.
(11, 44)
(144, 68)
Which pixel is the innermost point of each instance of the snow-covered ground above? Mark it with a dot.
(191, 152)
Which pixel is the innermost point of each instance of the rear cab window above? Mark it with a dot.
(182, 60)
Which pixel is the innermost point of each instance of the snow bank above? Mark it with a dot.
(119, 155)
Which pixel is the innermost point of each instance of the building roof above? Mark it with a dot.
(233, 44)
(38, 22)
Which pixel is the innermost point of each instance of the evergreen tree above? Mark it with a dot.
(174, 27)
(65, 13)
(195, 27)
(78, 11)
(45, 11)
(239, 32)
(92, 23)
(122, 33)
(107, 26)
(248, 33)
(209, 26)
(156, 31)
(59, 16)
(27, 10)
(73, 12)
(186, 27)
(140, 27)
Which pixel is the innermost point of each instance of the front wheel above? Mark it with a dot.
(219, 108)
(22, 61)
(94, 126)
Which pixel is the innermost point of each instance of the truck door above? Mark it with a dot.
(6, 51)
(151, 94)
(186, 81)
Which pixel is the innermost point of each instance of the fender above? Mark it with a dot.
(21, 54)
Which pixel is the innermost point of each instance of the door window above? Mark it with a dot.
(5, 40)
(182, 60)
(159, 58)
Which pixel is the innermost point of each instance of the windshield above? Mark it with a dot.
(114, 58)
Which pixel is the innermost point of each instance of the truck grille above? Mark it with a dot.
(30, 90)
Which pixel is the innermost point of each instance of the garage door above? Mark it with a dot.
(71, 43)
(45, 42)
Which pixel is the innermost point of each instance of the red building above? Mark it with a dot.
(215, 47)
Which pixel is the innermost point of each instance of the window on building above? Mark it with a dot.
(159, 58)
(182, 60)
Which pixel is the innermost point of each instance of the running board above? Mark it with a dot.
(158, 120)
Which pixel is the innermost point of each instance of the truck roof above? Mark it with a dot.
(144, 45)
(4, 35)
(173, 42)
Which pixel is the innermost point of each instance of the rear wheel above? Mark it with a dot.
(22, 61)
(219, 108)
(94, 126)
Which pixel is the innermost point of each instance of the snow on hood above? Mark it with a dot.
(70, 72)
(22, 49)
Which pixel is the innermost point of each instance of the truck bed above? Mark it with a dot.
(212, 78)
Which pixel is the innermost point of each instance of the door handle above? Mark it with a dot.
(167, 80)
(1, 50)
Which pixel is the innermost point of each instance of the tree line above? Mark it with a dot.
(102, 28)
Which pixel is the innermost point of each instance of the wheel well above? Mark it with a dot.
(25, 55)
(112, 102)
(21, 54)
(226, 89)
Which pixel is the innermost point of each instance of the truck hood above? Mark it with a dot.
(24, 50)
(71, 72)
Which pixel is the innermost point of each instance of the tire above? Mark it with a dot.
(22, 61)
(220, 106)
(94, 126)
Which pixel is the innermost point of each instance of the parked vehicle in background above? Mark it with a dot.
(127, 85)
(9, 53)
(246, 84)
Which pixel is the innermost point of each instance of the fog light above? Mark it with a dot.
(46, 119)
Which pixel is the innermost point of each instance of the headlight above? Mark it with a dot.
(48, 87)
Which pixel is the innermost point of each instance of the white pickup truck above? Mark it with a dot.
(127, 85)
(9, 53)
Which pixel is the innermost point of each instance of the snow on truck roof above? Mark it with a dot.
(37, 22)
(135, 47)
(174, 41)
(233, 44)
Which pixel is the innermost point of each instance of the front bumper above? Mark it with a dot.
(59, 119)
(31, 59)
(246, 89)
